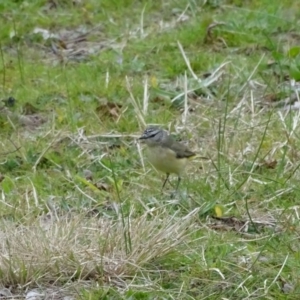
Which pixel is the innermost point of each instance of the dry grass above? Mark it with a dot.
(81, 247)
(82, 213)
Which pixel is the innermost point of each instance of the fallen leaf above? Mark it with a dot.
(287, 288)
(153, 82)
(271, 97)
(229, 223)
(102, 186)
(267, 164)
(109, 110)
(218, 209)
(75, 44)
(35, 294)
(271, 62)
(208, 37)
(46, 221)
(88, 174)
(5, 293)
(29, 109)
(31, 121)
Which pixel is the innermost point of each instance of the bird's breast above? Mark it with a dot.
(165, 160)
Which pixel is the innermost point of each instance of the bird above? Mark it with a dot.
(166, 154)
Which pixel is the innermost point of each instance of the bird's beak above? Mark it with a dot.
(142, 137)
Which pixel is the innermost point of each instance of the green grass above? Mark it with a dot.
(81, 210)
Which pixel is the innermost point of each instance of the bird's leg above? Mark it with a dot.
(167, 179)
(177, 185)
(178, 182)
(170, 181)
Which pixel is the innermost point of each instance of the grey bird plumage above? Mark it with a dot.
(164, 153)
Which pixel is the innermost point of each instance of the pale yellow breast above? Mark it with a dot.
(164, 159)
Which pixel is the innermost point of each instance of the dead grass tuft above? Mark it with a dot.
(83, 248)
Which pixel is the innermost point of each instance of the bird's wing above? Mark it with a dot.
(181, 150)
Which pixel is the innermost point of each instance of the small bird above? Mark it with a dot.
(164, 153)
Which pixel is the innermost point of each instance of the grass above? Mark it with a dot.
(81, 210)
